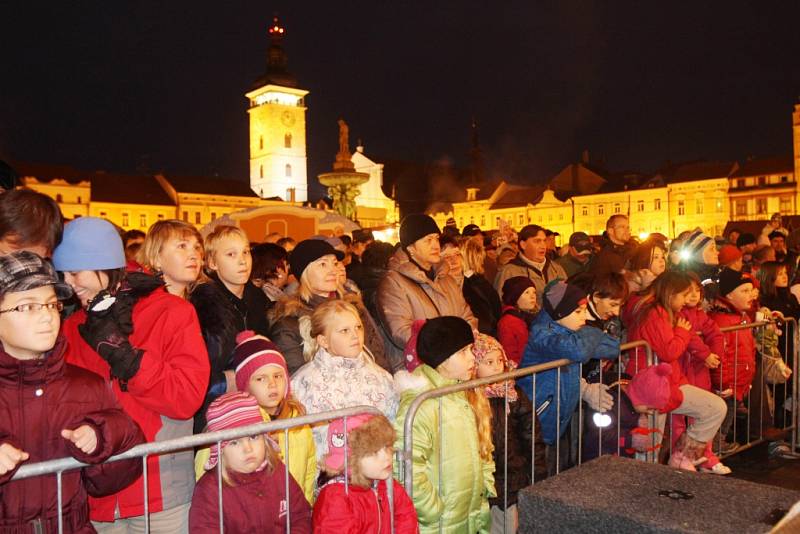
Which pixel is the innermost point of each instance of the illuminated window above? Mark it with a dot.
(617, 207)
(585, 211)
(601, 209)
(698, 206)
(681, 207)
(288, 171)
(261, 142)
(125, 220)
(761, 205)
(197, 217)
(720, 206)
(143, 220)
(741, 207)
(786, 205)
(640, 205)
(657, 204)
(287, 140)
(59, 198)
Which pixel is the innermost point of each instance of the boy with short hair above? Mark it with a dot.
(51, 409)
(29, 220)
(558, 332)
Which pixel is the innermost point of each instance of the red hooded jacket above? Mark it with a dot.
(710, 341)
(38, 399)
(512, 333)
(162, 397)
(738, 360)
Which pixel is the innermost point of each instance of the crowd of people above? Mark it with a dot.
(111, 339)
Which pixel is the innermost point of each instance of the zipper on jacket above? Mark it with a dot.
(378, 501)
(36, 524)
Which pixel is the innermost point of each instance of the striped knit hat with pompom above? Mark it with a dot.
(253, 352)
(231, 410)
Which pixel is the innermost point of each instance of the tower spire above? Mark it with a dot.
(277, 60)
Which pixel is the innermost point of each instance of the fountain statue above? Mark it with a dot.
(343, 183)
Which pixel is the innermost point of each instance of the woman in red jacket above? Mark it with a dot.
(734, 376)
(657, 320)
(51, 410)
(147, 344)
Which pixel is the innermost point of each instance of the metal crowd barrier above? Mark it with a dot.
(143, 451)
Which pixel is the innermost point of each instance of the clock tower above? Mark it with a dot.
(278, 128)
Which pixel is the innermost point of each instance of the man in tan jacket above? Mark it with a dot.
(414, 288)
(532, 261)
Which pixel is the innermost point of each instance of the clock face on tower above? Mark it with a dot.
(287, 118)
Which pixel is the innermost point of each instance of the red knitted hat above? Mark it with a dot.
(231, 410)
(651, 386)
(253, 352)
(729, 254)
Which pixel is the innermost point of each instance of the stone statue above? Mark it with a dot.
(344, 139)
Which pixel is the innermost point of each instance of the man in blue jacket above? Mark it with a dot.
(558, 332)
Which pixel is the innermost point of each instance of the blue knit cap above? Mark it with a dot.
(89, 244)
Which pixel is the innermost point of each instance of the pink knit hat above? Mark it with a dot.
(651, 386)
(231, 410)
(253, 352)
(334, 459)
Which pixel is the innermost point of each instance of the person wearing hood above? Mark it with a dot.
(416, 287)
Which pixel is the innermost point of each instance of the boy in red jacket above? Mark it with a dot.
(49, 409)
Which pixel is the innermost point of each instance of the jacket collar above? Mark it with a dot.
(33, 372)
(433, 376)
(401, 263)
(326, 359)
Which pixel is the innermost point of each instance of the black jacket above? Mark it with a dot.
(484, 302)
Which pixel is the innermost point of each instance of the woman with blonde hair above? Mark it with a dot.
(174, 250)
(314, 263)
(479, 293)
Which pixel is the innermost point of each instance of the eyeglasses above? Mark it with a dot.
(33, 307)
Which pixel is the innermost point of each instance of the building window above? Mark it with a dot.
(197, 217)
(125, 220)
(617, 207)
(560, 216)
(461, 222)
(497, 222)
(657, 204)
(741, 208)
(550, 217)
(541, 219)
(185, 216)
(213, 216)
(160, 216)
(698, 206)
(79, 200)
(59, 199)
(483, 220)
(601, 209)
(719, 205)
(521, 219)
(585, 211)
(143, 220)
(640, 205)
(740, 182)
(261, 142)
(681, 208)
(103, 214)
(288, 171)
(784, 179)
(761, 205)
(287, 141)
(786, 205)
(260, 171)
(762, 180)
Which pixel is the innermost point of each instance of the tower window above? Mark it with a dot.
(261, 142)
(287, 140)
(260, 171)
(288, 171)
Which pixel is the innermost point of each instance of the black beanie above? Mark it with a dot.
(561, 299)
(730, 280)
(514, 287)
(416, 226)
(308, 251)
(441, 337)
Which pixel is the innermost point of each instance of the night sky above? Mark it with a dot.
(148, 86)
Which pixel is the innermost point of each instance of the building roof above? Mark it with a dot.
(105, 187)
(210, 186)
(696, 170)
(518, 196)
(764, 166)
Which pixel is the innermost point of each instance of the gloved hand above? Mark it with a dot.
(135, 286)
(596, 396)
(102, 332)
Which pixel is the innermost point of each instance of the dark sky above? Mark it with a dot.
(129, 86)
